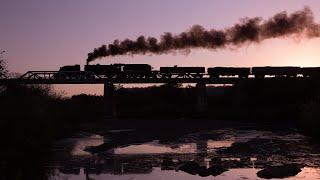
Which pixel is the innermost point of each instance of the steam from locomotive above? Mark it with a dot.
(248, 30)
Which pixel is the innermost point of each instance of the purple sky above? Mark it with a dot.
(44, 35)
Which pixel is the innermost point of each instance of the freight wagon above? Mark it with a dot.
(169, 72)
(285, 71)
(216, 72)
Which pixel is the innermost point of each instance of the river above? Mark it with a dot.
(228, 153)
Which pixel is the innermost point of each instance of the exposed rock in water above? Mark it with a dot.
(256, 146)
(194, 168)
(279, 171)
(167, 164)
(190, 167)
(216, 170)
(203, 172)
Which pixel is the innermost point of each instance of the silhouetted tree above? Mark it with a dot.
(3, 68)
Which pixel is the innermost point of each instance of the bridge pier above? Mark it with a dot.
(109, 100)
(202, 98)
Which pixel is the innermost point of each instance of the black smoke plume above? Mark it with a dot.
(248, 30)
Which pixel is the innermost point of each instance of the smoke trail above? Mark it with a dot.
(248, 30)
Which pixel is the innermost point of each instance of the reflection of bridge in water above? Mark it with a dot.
(123, 164)
(143, 152)
(81, 77)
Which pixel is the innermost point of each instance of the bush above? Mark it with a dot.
(29, 117)
(310, 117)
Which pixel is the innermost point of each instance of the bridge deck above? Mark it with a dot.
(149, 80)
(87, 77)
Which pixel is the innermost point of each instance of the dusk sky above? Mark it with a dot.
(44, 35)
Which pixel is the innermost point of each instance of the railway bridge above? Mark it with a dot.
(81, 77)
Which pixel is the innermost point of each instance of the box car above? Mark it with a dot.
(137, 68)
(310, 71)
(287, 71)
(229, 71)
(182, 70)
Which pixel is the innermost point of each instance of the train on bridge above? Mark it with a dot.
(146, 71)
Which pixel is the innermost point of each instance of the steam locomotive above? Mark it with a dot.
(129, 71)
(145, 71)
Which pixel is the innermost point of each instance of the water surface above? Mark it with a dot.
(136, 155)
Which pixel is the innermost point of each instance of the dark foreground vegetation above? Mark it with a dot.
(33, 116)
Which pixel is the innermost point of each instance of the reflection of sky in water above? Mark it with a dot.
(155, 148)
(244, 173)
(192, 146)
(82, 143)
(211, 144)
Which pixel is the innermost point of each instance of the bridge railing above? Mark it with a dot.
(71, 75)
(81, 75)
